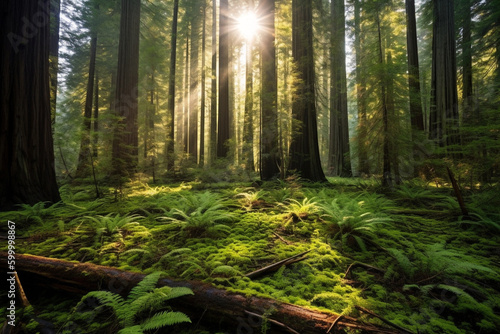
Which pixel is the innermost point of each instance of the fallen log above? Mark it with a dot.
(208, 305)
(275, 266)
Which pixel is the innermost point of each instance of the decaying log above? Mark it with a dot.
(275, 266)
(217, 306)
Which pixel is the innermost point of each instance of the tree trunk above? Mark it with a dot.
(194, 99)
(26, 147)
(95, 133)
(248, 117)
(203, 84)
(339, 163)
(443, 123)
(82, 169)
(304, 151)
(213, 305)
(363, 168)
(171, 89)
(467, 96)
(417, 118)
(386, 169)
(125, 137)
(269, 157)
(55, 15)
(223, 132)
(213, 93)
(186, 101)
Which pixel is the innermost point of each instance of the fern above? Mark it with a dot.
(146, 285)
(163, 319)
(143, 297)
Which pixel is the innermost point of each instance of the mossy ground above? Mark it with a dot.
(440, 271)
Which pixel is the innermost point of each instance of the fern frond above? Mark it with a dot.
(146, 285)
(107, 298)
(163, 319)
(137, 329)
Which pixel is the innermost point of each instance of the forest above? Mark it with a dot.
(250, 166)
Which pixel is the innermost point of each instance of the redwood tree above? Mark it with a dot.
(26, 147)
(443, 122)
(171, 89)
(339, 162)
(269, 161)
(223, 122)
(304, 151)
(125, 137)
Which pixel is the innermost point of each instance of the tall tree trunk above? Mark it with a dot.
(386, 169)
(416, 113)
(363, 167)
(194, 84)
(186, 100)
(95, 133)
(171, 89)
(304, 151)
(467, 95)
(203, 84)
(223, 132)
(269, 159)
(443, 123)
(213, 93)
(393, 127)
(339, 162)
(417, 118)
(26, 147)
(55, 14)
(82, 169)
(248, 117)
(125, 139)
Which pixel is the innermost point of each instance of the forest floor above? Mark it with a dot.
(407, 254)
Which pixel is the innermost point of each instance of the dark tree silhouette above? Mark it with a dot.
(223, 133)
(304, 151)
(125, 138)
(171, 89)
(443, 122)
(269, 161)
(26, 146)
(339, 162)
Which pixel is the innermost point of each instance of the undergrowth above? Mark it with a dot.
(427, 268)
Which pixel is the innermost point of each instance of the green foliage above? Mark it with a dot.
(111, 224)
(200, 215)
(141, 310)
(351, 223)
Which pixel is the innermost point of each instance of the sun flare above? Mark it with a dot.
(248, 25)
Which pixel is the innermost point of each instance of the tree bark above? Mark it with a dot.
(95, 133)
(82, 169)
(223, 133)
(304, 151)
(363, 168)
(203, 84)
(443, 122)
(211, 304)
(26, 144)
(269, 157)
(417, 118)
(171, 89)
(339, 163)
(194, 99)
(213, 93)
(55, 22)
(248, 116)
(125, 136)
(386, 169)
